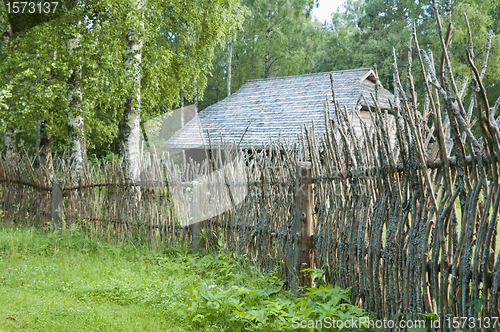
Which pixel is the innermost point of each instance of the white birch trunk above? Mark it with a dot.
(76, 141)
(10, 143)
(267, 56)
(76, 131)
(131, 130)
(76, 128)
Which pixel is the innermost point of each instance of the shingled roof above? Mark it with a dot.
(275, 108)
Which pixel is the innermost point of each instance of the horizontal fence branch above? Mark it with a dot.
(375, 171)
(27, 184)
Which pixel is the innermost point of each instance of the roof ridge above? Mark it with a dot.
(311, 74)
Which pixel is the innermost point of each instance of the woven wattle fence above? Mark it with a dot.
(408, 224)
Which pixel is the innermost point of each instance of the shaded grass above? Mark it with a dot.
(72, 282)
(63, 282)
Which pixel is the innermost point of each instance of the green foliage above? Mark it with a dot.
(368, 30)
(315, 273)
(483, 16)
(188, 34)
(362, 34)
(178, 41)
(267, 309)
(279, 30)
(184, 48)
(74, 282)
(278, 38)
(270, 308)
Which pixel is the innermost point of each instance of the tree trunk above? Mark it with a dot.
(196, 103)
(267, 56)
(10, 143)
(182, 110)
(76, 140)
(76, 128)
(182, 125)
(76, 131)
(229, 59)
(45, 149)
(10, 134)
(130, 129)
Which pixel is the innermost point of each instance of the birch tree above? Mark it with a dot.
(365, 32)
(114, 69)
(24, 24)
(169, 51)
(76, 128)
(131, 130)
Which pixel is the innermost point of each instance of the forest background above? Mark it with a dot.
(86, 77)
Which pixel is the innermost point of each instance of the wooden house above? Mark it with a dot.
(278, 108)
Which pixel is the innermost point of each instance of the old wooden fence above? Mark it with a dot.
(409, 225)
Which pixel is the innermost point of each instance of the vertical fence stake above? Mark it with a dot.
(196, 222)
(57, 199)
(303, 231)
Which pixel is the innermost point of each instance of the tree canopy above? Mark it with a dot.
(178, 41)
(184, 51)
(361, 34)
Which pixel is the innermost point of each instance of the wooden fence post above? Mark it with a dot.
(303, 232)
(197, 225)
(57, 199)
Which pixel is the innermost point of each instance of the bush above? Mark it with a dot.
(266, 309)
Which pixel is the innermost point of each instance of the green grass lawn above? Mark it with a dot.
(64, 282)
(73, 283)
